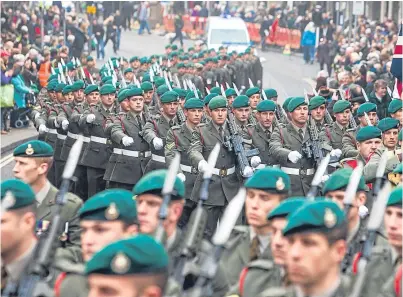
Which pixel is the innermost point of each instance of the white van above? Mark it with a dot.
(231, 32)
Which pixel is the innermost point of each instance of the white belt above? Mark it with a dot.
(135, 154)
(157, 158)
(186, 168)
(296, 171)
(224, 172)
(52, 131)
(86, 139)
(99, 139)
(72, 135)
(61, 136)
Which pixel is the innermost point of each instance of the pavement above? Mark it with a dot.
(289, 75)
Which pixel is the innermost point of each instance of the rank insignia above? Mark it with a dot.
(280, 184)
(329, 218)
(120, 263)
(112, 212)
(29, 151)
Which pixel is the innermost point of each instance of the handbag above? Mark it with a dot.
(7, 96)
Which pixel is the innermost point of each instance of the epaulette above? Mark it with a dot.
(237, 234)
(351, 129)
(261, 263)
(73, 198)
(250, 126)
(176, 127)
(276, 292)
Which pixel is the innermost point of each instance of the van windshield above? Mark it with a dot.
(228, 36)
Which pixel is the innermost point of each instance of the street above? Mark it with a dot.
(287, 74)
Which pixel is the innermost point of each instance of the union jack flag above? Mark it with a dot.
(396, 68)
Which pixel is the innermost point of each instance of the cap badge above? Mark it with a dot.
(112, 212)
(120, 263)
(329, 218)
(280, 184)
(29, 151)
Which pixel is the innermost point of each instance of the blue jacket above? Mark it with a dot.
(308, 38)
(20, 90)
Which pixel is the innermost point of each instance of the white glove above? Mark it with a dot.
(247, 172)
(65, 124)
(181, 176)
(158, 143)
(255, 161)
(336, 153)
(90, 118)
(294, 156)
(37, 115)
(42, 129)
(126, 140)
(202, 165)
(362, 211)
(325, 178)
(57, 125)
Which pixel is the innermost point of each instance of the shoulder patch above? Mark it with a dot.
(262, 264)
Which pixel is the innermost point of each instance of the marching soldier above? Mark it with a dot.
(288, 145)
(225, 182)
(265, 190)
(390, 130)
(207, 112)
(241, 111)
(271, 94)
(261, 133)
(128, 75)
(97, 153)
(317, 109)
(395, 110)
(137, 266)
(129, 160)
(18, 223)
(349, 146)
(179, 140)
(254, 97)
(32, 162)
(106, 217)
(155, 130)
(315, 273)
(335, 189)
(230, 94)
(385, 259)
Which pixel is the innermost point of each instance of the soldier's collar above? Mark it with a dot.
(328, 293)
(17, 268)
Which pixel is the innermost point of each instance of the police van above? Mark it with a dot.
(231, 32)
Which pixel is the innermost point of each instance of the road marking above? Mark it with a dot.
(6, 160)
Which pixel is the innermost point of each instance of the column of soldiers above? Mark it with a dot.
(136, 121)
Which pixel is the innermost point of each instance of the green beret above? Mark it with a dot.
(366, 107)
(315, 102)
(180, 92)
(270, 93)
(122, 95)
(108, 82)
(191, 49)
(214, 60)
(127, 70)
(248, 50)
(143, 60)
(266, 105)
(110, 205)
(341, 106)
(216, 90)
(162, 89)
(174, 47)
(208, 98)
(140, 254)
(16, 194)
(218, 102)
(167, 46)
(286, 208)
(395, 105)
(180, 65)
(230, 92)
(398, 168)
(135, 92)
(241, 101)
(368, 132)
(79, 84)
(33, 148)
(340, 179)
(399, 137)
(252, 91)
(173, 54)
(67, 89)
(70, 66)
(169, 96)
(106, 78)
(269, 179)
(388, 123)
(51, 85)
(147, 86)
(52, 77)
(154, 181)
(91, 88)
(191, 94)
(107, 89)
(395, 197)
(193, 103)
(208, 59)
(159, 81)
(132, 59)
(90, 58)
(146, 77)
(295, 102)
(60, 87)
(286, 102)
(316, 216)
